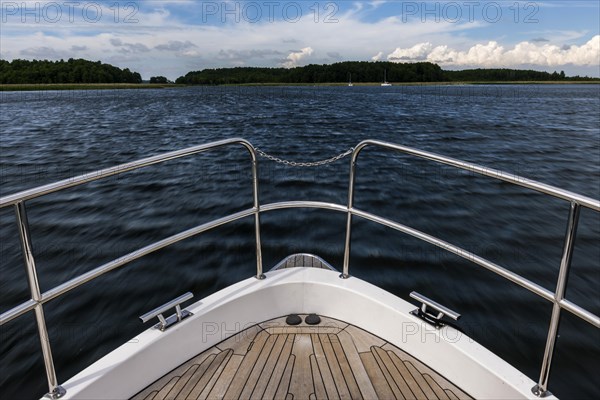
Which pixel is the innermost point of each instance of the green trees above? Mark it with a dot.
(505, 74)
(84, 71)
(362, 71)
(70, 71)
(159, 79)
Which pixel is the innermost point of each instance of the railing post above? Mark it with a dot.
(346, 267)
(55, 391)
(541, 389)
(259, 268)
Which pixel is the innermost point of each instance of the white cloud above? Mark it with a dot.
(493, 54)
(418, 52)
(377, 56)
(191, 53)
(196, 45)
(162, 42)
(295, 56)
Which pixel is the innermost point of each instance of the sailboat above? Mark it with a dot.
(350, 81)
(385, 82)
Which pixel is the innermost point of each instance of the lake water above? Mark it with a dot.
(548, 133)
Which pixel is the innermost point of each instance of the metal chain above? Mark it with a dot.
(305, 164)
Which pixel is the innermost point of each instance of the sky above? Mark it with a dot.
(171, 38)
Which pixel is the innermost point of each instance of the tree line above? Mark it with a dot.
(505, 74)
(70, 71)
(84, 71)
(358, 71)
(363, 71)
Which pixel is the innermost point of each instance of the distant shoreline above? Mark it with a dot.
(112, 86)
(25, 87)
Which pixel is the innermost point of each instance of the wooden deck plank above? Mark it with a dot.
(213, 380)
(239, 343)
(271, 367)
(258, 366)
(439, 392)
(424, 369)
(376, 376)
(161, 382)
(254, 364)
(284, 384)
(279, 369)
(301, 384)
(261, 374)
(210, 371)
(324, 369)
(420, 380)
(149, 392)
(185, 378)
(345, 367)
(240, 378)
(222, 384)
(336, 371)
(358, 368)
(410, 380)
(151, 396)
(187, 388)
(393, 377)
(162, 393)
(363, 340)
(320, 392)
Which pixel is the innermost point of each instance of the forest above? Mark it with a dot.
(364, 72)
(358, 71)
(70, 71)
(83, 71)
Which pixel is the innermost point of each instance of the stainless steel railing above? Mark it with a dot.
(38, 299)
(558, 297)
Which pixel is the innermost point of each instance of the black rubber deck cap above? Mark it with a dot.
(293, 319)
(312, 319)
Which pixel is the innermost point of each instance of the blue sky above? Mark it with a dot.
(173, 37)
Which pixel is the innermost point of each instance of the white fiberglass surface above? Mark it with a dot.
(152, 354)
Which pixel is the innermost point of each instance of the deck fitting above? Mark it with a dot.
(293, 319)
(312, 319)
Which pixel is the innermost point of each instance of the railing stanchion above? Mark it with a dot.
(541, 389)
(55, 391)
(259, 268)
(346, 267)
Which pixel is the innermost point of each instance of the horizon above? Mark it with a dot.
(172, 38)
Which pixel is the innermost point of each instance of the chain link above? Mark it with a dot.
(305, 164)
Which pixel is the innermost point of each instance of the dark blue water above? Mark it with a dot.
(548, 133)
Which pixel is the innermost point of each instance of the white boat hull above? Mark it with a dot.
(304, 290)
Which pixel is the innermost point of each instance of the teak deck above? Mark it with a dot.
(331, 360)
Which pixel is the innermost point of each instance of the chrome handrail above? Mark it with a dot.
(557, 298)
(37, 299)
(576, 202)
